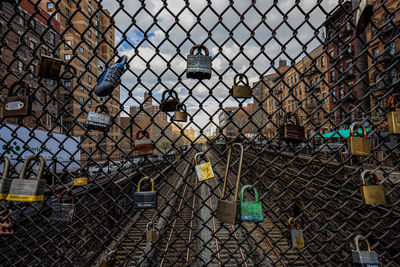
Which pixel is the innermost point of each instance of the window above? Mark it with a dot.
(324, 97)
(81, 99)
(67, 12)
(81, 87)
(67, 84)
(300, 91)
(21, 21)
(52, 38)
(89, 33)
(322, 61)
(89, 43)
(90, 150)
(32, 68)
(89, 10)
(332, 74)
(111, 53)
(115, 92)
(111, 35)
(67, 57)
(89, 67)
(90, 103)
(89, 55)
(32, 23)
(81, 49)
(333, 96)
(32, 45)
(89, 78)
(50, 5)
(348, 26)
(97, 34)
(375, 52)
(67, 44)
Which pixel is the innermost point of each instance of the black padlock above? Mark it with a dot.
(170, 103)
(50, 68)
(145, 199)
(199, 66)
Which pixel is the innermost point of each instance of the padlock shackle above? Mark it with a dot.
(42, 163)
(202, 155)
(366, 172)
(199, 46)
(144, 133)
(68, 68)
(290, 224)
(67, 190)
(81, 173)
(7, 164)
(171, 93)
(353, 125)
(248, 187)
(356, 242)
(288, 115)
(146, 178)
(240, 75)
(392, 101)
(181, 107)
(103, 109)
(239, 170)
(9, 212)
(23, 84)
(148, 224)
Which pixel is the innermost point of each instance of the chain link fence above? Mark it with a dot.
(202, 133)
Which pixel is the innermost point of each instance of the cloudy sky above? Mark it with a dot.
(241, 38)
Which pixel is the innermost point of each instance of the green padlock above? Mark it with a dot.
(250, 210)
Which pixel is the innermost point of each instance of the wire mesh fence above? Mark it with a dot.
(173, 133)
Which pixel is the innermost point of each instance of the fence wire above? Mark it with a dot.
(296, 99)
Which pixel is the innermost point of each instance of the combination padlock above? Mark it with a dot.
(372, 194)
(357, 145)
(250, 210)
(181, 114)
(393, 117)
(25, 189)
(5, 182)
(143, 146)
(291, 132)
(145, 199)
(50, 68)
(99, 119)
(296, 235)
(64, 212)
(151, 234)
(170, 103)
(204, 170)
(364, 258)
(241, 91)
(198, 66)
(227, 211)
(18, 105)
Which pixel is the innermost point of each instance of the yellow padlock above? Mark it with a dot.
(357, 145)
(204, 171)
(393, 117)
(372, 194)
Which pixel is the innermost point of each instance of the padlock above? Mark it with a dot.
(393, 117)
(198, 66)
(110, 260)
(50, 68)
(145, 199)
(204, 171)
(291, 132)
(364, 258)
(81, 178)
(151, 234)
(358, 146)
(170, 103)
(143, 146)
(250, 210)
(5, 223)
(99, 120)
(5, 182)
(227, 211)
(296, 236)
(28, 190)
(64, 212)
(372, 194)
(18, 105)
(364, 14)
(181, 114)
(241, 91)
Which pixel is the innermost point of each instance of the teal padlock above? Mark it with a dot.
(250, 210)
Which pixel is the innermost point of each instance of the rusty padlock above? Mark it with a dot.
(393, 117)
(241, 91)
(151, 234)
(181, 114)
(15, 105)
(357, 145)
(372, 194)
(291, 132)
(5, 223)
(198, 66)
(50, 68)
(170, 103)
(227, 211)
(5, 182)
(143, 147)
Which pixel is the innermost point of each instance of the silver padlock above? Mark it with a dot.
(28, 190)
(151, 234)
(99, 120)
(5, 182)
(362, 258)
(198, 66)
(64, 212)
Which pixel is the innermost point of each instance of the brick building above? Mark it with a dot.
(25, 34)
(234, 121)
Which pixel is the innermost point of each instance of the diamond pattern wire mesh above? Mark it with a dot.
(302, 57)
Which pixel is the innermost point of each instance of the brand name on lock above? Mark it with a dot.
(63, 212)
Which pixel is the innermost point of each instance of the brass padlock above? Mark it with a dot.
(145, 146)
(204, 171)
(5, 223)
(110, 260)
(291, 132)
(227, 211)
(64, 212)
(81, 178)
(50, 68)
(170, 103)
(151, 234)
(372, 194)
(18, 106)
(198, 66)
(358, 146)
(364, 14)
(393, 117)
(28, 190)
(5, 182)
(181, 114)
(296, 236)
(99, 120)
(241, 91)
(364, 258)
